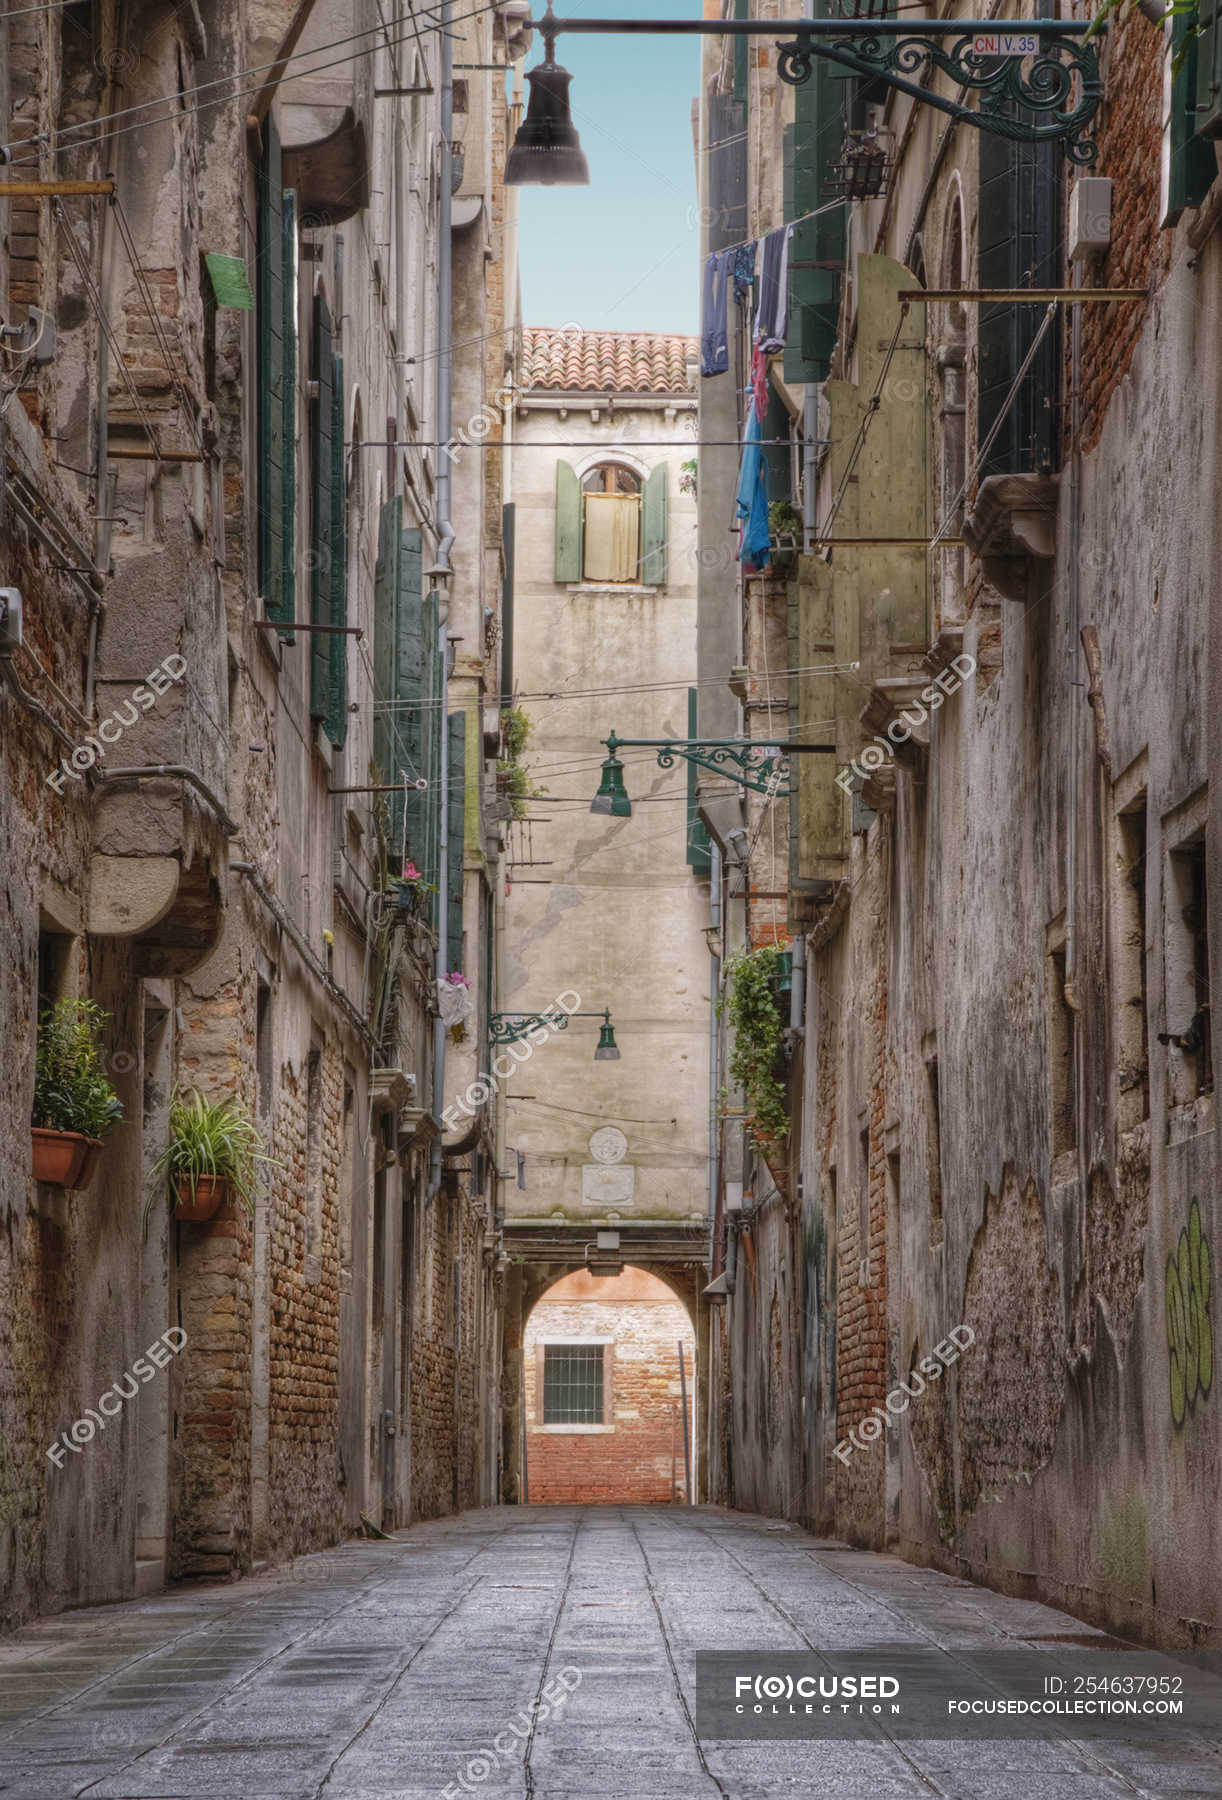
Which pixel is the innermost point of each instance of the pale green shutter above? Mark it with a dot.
(410, 749)
(697, 834)
(385, 642)
(321, 476)
(1191, 163)
(337, 686)
(653, 528)
(1208, 69)
(1019, 246)
(816, 250)
(288, 391)
(456, 833)
(270, 376)
(568, 523)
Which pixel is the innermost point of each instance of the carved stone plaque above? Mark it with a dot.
(608, 1184)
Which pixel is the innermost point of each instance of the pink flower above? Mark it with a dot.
(410, 871)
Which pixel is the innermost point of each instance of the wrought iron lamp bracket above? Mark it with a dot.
(511, 1028)
(1058, 83)
(747, 764)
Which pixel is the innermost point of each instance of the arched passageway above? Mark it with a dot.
(609, 1392)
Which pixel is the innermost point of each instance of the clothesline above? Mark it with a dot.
(800, 220)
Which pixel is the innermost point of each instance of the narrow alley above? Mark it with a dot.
(389, 1671)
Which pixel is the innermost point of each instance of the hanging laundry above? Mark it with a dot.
(759, 383)
(714, 341)
(744, 272)
(772, 316)
(751, 501)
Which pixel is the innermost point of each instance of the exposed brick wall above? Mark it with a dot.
(445, 1356)
(1128, 132)
(861, 1322)
(642, 1458)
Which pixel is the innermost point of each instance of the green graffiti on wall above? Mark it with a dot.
(1189, 1333)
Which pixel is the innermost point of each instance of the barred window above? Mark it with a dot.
(573, 1384)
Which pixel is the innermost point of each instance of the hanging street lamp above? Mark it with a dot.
(760, 766)
(608, 1049)
(1037, 79)
(512, 1027)
(547, 151)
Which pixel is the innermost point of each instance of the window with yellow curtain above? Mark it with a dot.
(612, 501)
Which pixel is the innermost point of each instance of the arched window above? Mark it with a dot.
(611, 499)
(611, 525)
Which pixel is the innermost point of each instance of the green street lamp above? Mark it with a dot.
(612, 796)
(608, 1049)
(762, 767)
(512, 1027)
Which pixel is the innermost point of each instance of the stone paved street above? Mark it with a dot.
(384, 1669)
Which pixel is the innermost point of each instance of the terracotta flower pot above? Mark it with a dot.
(64, 1158)
(200, 1204)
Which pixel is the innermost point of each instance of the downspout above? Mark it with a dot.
(714, 1046)
(445, 340)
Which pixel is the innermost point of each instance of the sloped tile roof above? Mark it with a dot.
(606, 362)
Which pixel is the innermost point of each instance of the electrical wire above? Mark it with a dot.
(179, 111)
(95, 300)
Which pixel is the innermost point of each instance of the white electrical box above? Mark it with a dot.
(1090, 216)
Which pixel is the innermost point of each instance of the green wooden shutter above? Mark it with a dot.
(1208, 73)
(1191, 163)
(288, 389)
(568, 523)
(457, 751)
(817, 248)
(653, 528)
(337, 687)
(385, 639)
(322, 473)
(270, 315)
(697, 836)
(410, 748)
(1019, 246)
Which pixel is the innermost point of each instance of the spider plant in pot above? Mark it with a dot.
(74, 1104)
(213, 1151)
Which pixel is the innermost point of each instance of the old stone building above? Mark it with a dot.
(230, 377)
(1001, 883)
(605, 908)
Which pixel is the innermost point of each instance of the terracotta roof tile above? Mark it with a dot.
(606, 362)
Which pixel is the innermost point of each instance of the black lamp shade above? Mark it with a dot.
(547, 151)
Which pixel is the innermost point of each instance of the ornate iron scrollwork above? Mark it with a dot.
(750, 765)
(1057, 86)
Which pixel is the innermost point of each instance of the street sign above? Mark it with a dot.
(1005, 43)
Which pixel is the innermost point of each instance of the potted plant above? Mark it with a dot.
(784, 533)
(213, 1150)
(74, 1103)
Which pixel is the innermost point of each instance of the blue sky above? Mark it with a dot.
(623, 253)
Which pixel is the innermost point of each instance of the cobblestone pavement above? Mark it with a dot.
(386, 1671)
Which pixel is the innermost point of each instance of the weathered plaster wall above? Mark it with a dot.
(616, 914)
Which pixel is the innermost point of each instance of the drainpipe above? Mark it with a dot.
(445, 339)
(797, 991)
(714, 1047)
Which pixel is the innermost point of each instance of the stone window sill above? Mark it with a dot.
(629, 588)
(575, 1430)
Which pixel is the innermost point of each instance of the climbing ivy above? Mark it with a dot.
(759, 1036)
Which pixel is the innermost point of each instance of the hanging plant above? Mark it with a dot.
(688, 477)
(512, 781)
(759, 1038)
